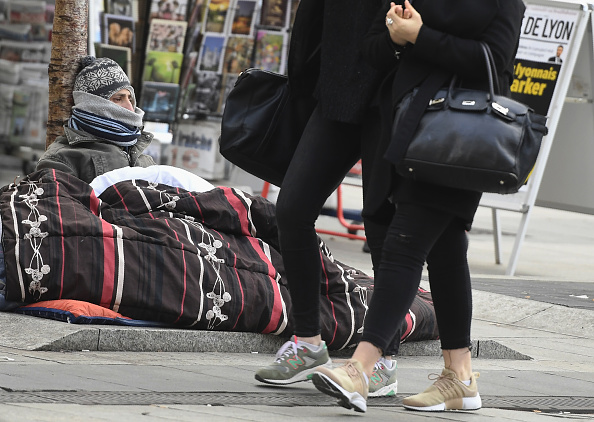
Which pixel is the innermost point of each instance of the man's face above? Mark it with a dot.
(123, 98)
(559, 51)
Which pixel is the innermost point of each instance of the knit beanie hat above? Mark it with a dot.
(102, 77)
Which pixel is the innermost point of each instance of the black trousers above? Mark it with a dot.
(326, 152)
(419, 234)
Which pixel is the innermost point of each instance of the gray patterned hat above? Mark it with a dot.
(102, 77)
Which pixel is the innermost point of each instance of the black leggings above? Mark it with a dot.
(415, 235)
(326, 152)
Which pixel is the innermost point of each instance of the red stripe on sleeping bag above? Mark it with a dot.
(121, 197)
(185, 278)
(329, 300)
(277, 307)
(197, 206)
(109, 264)
(239, 207)
(240, 289)
(94, 203)
(61, 233)
(409, 326)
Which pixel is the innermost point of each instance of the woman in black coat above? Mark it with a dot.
(422, 47)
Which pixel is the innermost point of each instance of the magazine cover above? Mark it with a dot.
(10, 72)
(243, 18)
(204, 94)
(4, 11)
(29, 115)
(274, 13)
(118, 30)
(159, 101)
(31, 13)
(216, 15)
(212, 51)
(162, 66)
(269, 51)
(34, 74)
(27, 11)
(122, 8)
(169, 9)
(121, 55)
(238, 54)
(166, 35)
(195, 148)
(15, 31)
(22, 51)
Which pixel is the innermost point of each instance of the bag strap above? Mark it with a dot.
(403, 134)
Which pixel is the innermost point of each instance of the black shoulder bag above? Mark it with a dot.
(469, 139)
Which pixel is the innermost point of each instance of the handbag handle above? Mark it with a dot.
(491, 71)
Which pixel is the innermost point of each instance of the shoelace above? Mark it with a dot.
(286, 350)
(443, 382)
(351, 370)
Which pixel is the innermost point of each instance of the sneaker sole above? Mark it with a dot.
(387, 391)
(468, 403)
(345, 398)
(302, 376)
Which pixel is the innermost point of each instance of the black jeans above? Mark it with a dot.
(326, 152)
(419, 234)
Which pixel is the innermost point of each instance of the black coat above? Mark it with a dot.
(339, 78)
(448, 43)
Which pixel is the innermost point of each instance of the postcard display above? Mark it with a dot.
(25, 50)
(224, 38)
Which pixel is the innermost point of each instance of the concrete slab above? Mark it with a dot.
(31, 333)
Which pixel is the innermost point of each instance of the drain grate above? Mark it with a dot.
(544, 404)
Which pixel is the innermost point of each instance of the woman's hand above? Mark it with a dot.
(403, 24)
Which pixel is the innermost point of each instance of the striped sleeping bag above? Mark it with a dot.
(151, 251)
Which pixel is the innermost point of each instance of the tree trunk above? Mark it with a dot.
(69, 44)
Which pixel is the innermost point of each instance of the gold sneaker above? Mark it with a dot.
(347, 383)
(446, 393)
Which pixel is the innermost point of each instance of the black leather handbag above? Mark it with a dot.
(262, 124)
(471, 139)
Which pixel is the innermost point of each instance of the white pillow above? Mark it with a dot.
(167, 175)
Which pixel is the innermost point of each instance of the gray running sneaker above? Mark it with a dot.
(293, 363)
(383, 381)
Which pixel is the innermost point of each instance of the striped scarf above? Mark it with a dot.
(111, 130)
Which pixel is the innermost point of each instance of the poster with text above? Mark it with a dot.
(544, 41)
